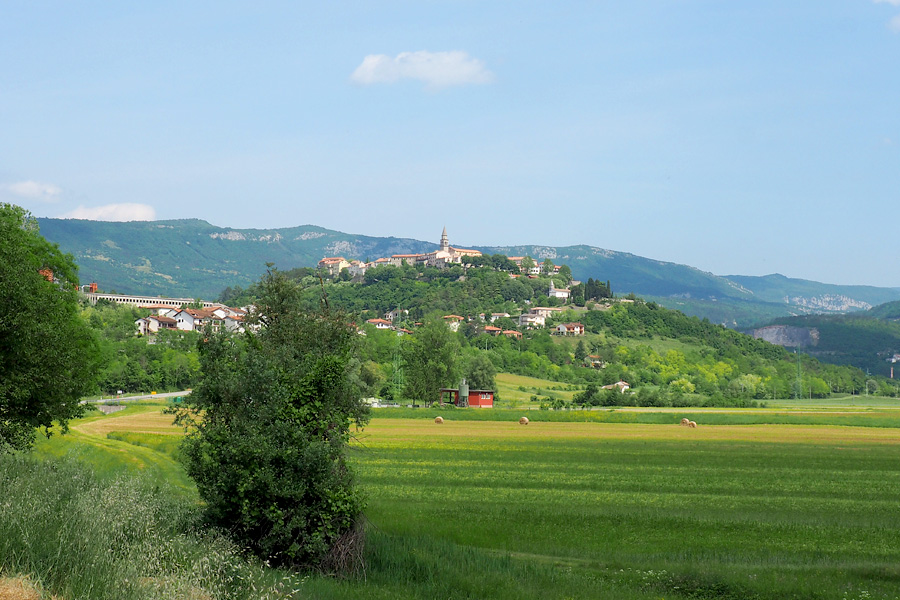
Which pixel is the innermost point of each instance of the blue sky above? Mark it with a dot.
(737, 137)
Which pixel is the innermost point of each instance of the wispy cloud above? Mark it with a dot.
(113, 212)
(893, 24)
(435, 69)
(34, 190)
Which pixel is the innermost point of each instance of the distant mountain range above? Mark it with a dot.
(192, 258)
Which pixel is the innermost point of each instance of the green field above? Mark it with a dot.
(626, 504)
(516, 390)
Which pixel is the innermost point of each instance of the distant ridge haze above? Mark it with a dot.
(193, 258)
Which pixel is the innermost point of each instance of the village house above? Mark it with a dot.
(153, 324)
(594, 360)
(534, 270)
(562, 293)
(619, 385)
(546, 311)
(380, 323)
(512, 334)
(453, 321)
(357, 268)
(192, 319)
(234, 323)
(491, 330)
(334, 264)
(396, 314)
(570, 329)
(532, 320)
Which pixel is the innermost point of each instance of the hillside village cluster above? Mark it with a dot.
(444, 256)
(174, 314)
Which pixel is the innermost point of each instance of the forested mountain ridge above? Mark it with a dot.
(193, 258)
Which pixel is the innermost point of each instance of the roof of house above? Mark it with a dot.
(454, 317)
(200, 313)
(378, 321)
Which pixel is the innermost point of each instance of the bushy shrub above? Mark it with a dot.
(268, 427)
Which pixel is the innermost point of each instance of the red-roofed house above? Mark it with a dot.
(453, 321)
(570, 329)
(334, 264)
(380, 323)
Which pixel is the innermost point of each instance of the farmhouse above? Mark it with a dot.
(619, 385)
(570, 329)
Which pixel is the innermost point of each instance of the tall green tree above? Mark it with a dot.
(269, 424)
(431, 356)
(48, 355)
(480, 373)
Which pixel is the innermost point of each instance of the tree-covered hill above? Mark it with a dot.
(644, 343)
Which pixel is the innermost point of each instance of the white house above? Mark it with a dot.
(192, 319)
(570, 329)
(546, 311)
(532, 320)
(620, 385)
(453, 321)
(380, 323)
(555, 292)
(153, 324)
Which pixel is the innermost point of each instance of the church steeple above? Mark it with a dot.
(445, 243)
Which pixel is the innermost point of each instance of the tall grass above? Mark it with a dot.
(86, 538)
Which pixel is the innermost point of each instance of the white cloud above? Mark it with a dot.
(34, 190)
(113, 212)
(894, 24)
(435, 69)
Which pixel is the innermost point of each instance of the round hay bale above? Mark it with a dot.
(439, 420)
(692, 424)
(523, 421)
(685, 422)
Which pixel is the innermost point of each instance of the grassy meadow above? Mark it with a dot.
(790, 503)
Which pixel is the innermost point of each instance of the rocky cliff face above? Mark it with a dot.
(786, 335)
(828, 303)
